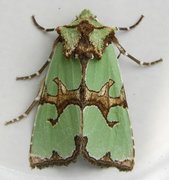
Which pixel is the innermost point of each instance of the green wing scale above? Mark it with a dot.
(54, 132)
(83, 108)
(107, 145)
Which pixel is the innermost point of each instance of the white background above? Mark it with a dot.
(23, 49)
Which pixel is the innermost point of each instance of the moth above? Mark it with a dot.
(82, 107)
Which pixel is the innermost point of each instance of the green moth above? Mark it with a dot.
(82, 107)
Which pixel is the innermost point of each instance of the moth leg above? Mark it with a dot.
(119, 55)
(39, 72)
(25, 114)
(130, 27)
(28, 110)
(124, 52)
(41, 27)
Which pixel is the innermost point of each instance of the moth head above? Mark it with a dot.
(86, 14)
(85, 37)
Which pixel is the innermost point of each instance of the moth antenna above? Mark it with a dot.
(41, 27)
(130, 27)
